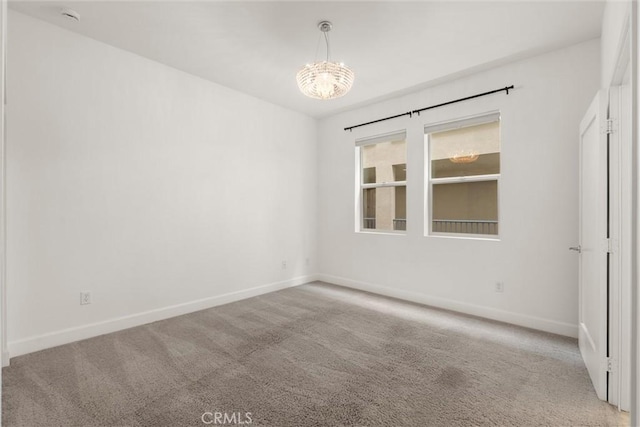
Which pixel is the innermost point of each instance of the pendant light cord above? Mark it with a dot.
(315, 58)
(326, 39)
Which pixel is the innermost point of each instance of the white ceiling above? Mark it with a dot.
(393, 47)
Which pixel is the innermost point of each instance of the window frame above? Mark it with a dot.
(462, 122)
(361, 186)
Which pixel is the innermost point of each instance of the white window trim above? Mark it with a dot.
(385, 137)
(463, 122)
(478, 119)
(384, 184)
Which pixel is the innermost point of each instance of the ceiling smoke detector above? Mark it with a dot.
(70, 14)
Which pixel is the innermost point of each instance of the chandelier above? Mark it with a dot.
(325, 80)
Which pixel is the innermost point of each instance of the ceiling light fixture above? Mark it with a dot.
(325, 80)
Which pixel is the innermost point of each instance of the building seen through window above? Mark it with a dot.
(384, 184)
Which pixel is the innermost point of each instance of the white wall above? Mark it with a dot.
(635, 110)
(615, 22)
(148, 187)
(538, 198)
(3, 302)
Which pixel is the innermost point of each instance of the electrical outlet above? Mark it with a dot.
(85, 298)
(499, 287)
(284, 265)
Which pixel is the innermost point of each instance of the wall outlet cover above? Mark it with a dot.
(85, 298)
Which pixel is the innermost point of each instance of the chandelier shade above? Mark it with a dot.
(325, 79)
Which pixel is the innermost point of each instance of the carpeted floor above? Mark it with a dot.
(315, 355)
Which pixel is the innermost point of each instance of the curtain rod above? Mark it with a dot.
(411, 113)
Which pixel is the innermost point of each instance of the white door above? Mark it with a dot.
(593, 243)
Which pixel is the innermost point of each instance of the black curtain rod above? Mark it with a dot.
(408, 113)
(411, 113)
(506, 89)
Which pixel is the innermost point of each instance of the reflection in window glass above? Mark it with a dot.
(467, 207)
(468, 151)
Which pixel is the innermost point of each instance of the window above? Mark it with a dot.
(462, 174)
(382, 187)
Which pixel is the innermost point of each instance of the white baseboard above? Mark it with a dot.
(66, 336)
(553, 326)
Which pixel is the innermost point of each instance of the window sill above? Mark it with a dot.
(385, 233)
(466, 237)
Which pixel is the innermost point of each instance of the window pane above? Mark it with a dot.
(368, 175)
(384, 162)
(369, 208)
(385, 208)
(472, 150)
(399, 172)
(468, 207)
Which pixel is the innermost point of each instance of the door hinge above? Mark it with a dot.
(611, 364)
(608, 245)
(608, 126)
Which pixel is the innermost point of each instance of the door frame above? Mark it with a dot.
(619, 326)
(635, 197)
(621, 225)
(610, 365)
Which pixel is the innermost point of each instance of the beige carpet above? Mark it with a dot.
(315, 355)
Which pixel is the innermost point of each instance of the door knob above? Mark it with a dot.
(576, 248)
